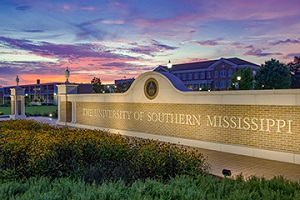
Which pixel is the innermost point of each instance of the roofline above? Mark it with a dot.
(211, 67)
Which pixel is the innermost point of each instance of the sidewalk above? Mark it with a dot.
(250, 166)
(47, 120)
(238, 164)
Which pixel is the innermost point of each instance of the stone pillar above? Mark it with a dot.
(17, 103)
(66, 108)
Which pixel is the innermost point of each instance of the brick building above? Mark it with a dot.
(211, 74)
(46, 93)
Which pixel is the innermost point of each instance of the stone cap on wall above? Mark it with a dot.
(171, 90)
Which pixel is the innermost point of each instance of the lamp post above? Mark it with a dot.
(67, 75)
(169, 65)
(238, 79)
(17, 80)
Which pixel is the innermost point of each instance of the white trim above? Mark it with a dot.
(73, 111)
(135, 94)
(234, 149)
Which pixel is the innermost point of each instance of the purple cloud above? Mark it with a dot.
(259, 53)
(292, 55)
(87, 30)
(8, 69)
(150, 49)
(163, 46)
(60, 50)
(30, 67)
(249, 47)
(24, 7)
(116, 64)
(237, 44)
(287, 41)
(33, 31)
(210, 42)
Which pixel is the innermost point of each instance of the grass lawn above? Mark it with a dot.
(33, 110)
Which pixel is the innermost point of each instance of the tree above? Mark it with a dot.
(246, 82)
(273, 75)
(295, 72)
(97, 85)
(123, 87)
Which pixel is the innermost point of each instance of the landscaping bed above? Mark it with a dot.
(41, 161)
(33, 110)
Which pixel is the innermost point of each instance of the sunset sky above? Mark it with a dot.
(113, 39)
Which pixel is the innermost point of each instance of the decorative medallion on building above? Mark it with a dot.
(151, 88)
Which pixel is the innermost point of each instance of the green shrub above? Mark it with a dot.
(36, 158)
(34, 149)
(180, 187)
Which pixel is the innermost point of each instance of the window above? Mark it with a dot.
(183, 76)
(190, 76)
(229, 82)
(202, 76)
(229, 73)
(223, 84)
(208, 75)
(190, 86)
(196, 76)
(216, 74)
(223, 73)
(216, 84)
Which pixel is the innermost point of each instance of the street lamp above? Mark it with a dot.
(169, 65)
(17, 80)
(238, 79)
(67, 75)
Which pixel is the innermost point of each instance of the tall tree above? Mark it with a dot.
(273, 75)
(295, 72)
(97, 85)
(246, 82)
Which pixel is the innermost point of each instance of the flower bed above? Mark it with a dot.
(32, 149)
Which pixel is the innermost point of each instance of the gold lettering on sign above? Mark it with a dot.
(216, 121)
(112, 114)
(247, 123)
(172, 118)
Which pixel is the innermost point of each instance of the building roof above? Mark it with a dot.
(177, 83)
(207, 64)
(239, 61)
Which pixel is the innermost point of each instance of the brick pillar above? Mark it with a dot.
(17, 103)
(66, 113)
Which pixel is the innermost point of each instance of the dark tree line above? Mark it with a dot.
(294, 68)
(98, 87)
(273, 74)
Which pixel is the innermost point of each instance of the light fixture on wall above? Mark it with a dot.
(226, 172)
(169, 65)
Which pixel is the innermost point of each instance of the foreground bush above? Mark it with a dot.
(30, 149)
(183, 187)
